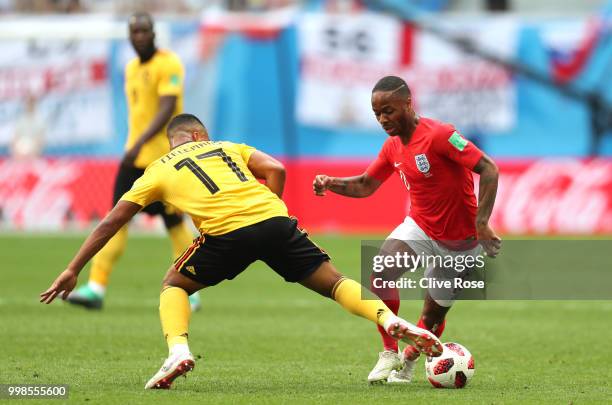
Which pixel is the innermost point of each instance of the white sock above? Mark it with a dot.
(97, 288)
(179, 348)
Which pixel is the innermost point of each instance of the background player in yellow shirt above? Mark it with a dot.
(240, 221)
(154, 92)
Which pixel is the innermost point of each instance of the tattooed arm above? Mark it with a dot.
(356, 186)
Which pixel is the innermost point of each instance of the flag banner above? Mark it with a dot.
(342, 57)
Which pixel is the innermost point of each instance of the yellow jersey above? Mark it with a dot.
(209, 181)
(145, 83)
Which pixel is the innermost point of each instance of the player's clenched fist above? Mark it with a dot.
(321, 183)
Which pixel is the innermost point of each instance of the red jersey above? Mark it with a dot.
(436, 167)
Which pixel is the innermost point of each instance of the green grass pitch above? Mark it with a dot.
(259, 340)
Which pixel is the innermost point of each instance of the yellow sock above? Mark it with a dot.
(102, 264)
(347, 293)
(181, 238)
(174, 313)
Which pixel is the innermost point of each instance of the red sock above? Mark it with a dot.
(437, 329)
(390, 296)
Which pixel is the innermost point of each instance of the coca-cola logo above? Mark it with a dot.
(34, 194)
(554, 196)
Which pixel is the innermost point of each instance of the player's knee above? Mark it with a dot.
(170, 279)
(334, 279)
(323, 280)
(174, 278)
(327, 284)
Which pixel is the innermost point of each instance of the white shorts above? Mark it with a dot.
(411, 234)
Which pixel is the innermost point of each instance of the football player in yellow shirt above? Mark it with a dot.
(240, 221)
(154, 93)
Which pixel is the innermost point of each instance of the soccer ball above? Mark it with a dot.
(453, 369)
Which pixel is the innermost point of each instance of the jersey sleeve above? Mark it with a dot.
(452, 145)
(146, 189)
(172, 77)
(245, 151)
(381, 168)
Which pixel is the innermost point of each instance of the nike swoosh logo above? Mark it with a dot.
(396, 164)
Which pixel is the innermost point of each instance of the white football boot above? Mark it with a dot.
(176, 365)
(410, 357)
(388, 361)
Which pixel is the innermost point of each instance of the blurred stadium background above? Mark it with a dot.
(530, 82)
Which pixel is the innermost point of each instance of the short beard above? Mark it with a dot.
(148, 53)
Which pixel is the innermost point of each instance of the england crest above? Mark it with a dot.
(422, 163)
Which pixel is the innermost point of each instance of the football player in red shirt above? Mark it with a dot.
(435, 163)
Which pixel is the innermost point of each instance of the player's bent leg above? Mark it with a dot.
(181, 238)
(388, 360)
(433, 315)
(390, 296)
(174, 313)
(433, 319)
(323, 280)
(174, 308)
(91, 295)
(327, 281)
(173, 278)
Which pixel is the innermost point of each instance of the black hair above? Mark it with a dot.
(183, 119)
(139, 15)
(394, 84)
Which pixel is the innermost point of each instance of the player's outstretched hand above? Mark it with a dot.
(320, 184)
(491, 243)
(62, 286)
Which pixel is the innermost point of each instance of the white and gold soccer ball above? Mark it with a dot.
(453, 369)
